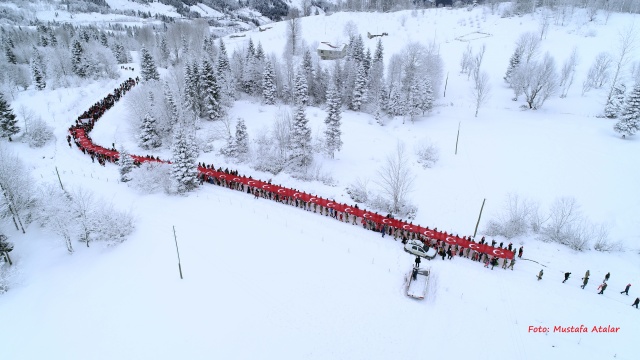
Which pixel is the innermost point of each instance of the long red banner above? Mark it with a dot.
(80, 135)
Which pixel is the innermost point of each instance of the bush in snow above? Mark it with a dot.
(151, 177)
(37, 133)
(514, 219)
(359, 190)
(427, 153)
(313, 172)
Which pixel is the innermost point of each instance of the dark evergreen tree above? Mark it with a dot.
(333, 141)
(103, 39)
(38, 78)
(184, 163)
(8, 121)
(360, 89)
(616, 102)
(125, 165)
(629, 118)
(260, 52)
(514, 62)
(174, 114)
(212, 105)
(78, 65)
(268, 84)
(301, 94)
(148, 69)
(11, 57)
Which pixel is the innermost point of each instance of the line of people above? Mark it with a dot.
(602, 287)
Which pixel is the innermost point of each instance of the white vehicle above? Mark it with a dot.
(417, 283)
(416, 248)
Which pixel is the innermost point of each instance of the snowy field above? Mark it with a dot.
(263, 280)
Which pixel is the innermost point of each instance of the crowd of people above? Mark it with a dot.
(79, 134)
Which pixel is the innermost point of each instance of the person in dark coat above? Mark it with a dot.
(566, 276)
(520, 252)
(626, 289)
(602, 287)
(606, 277)
(635, 303)
(414, 273)
(585, 280)
(540, 275)
(417, 261)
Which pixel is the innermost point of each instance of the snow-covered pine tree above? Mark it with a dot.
(125, 165)
(241, 140)
(223, 59)
(8, 121)
(396, 105)
(251, 49)
(629, 118)
(333, 141)
(360, 89)
(301, 138)
(174, 114)
(212, 105)
(184, 163)
(260, 52)
(11, 57)
(514, 62)
(413, 100)
(616, 102)
(148, 69)
(248, 75)
(366, 62)
(103, 39)
(192, 93)
(426, 96)
(149, 138)
(301, 93)
(38, 77)
(268, 84)
(78, 65)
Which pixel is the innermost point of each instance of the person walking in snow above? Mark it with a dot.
(587, 274)
(540, 275)
(626, 289)
(417, 261)
(606, 277)
(504, 264)
(635, 303)
(585, 280)
(566, 276)
(602, 287)
(520, 252)
(513, 262)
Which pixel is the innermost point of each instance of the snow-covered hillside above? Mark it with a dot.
(266, 280)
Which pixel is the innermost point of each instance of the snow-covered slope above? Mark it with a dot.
(265, 280)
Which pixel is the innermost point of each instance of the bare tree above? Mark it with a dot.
(55, 214)
(627, 42)
(396, 178)
(540, 80)
(530, 44)
(477, 62)
(16, 190)
(599, 73)
(294, 30)
(568, 72)
(481, 89)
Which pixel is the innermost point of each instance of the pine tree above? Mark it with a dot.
(379, 53)
(149, 137)
(148, 69)
(125, 165)
(268, 84)
(366, 62)
(53, 41)
(514, 62)
(174, 114)
(184, 163)
(103, 39)
(8, 121)
(212, 105)
(360, 89)
(629, 122)
(616, 102)
(395, 105)
(426, 96)
(241, 140)
(251, 50)
(192, 93)
(301, 138)
(301, 94)
(38, 77)
(223, 59)
(332, 133)
(260, 52)
(78, 65)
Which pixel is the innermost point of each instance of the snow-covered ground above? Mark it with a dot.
(265, 280)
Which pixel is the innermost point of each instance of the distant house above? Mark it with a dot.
(327, 51)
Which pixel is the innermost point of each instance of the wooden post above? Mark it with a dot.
(6, 256)
(479, 216)
(59, 179)
(457, 138)
(445, 85)
(178, 251)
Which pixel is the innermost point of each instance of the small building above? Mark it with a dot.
(327, 51)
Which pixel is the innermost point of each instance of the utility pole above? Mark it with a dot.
(457, 138)
(61, 187)
(479, 216)
(178, 251)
